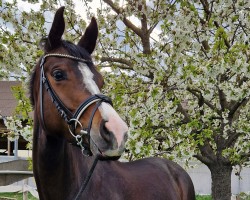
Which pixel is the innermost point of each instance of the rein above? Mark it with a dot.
(71, 119)
(85, 183)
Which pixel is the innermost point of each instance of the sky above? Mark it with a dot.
(80, 9)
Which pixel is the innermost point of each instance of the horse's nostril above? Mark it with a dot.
(114, 132)
(105, 133)
(105, 129)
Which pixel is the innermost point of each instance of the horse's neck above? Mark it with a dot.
(51, 152)
(58, 164)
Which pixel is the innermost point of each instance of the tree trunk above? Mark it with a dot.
(221, 181)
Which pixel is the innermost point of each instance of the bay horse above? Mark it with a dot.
(78, 136)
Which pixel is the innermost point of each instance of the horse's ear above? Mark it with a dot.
(88, 40)
(56, 31)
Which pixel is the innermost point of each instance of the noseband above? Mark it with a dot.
(71, 119)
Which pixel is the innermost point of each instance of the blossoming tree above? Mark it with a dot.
(182, 79)
(179, 74)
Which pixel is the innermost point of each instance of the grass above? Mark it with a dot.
(16, 196)
(203, 197)
(19, 196)
(241, 196)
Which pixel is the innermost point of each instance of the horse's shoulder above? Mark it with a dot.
(157, 163)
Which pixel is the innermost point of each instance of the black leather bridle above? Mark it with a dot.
(72, 119)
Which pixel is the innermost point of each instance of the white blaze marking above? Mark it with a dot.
(114, 123)
(88, 79)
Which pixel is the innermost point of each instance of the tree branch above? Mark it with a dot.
(245, 155)
(207, 155)
(128, 23)
(231, 139)
(205, 5)
(184, 112)
(222, 98)
(235, 107)
(203, 159)
(242, 80)
(118, 60)
(143, 33)
(144, 29)
(194, 92)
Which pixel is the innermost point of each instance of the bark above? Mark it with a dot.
(221, 181)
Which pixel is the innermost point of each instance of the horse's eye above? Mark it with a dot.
(59, 75)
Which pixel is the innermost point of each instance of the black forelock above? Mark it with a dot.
(75, 50)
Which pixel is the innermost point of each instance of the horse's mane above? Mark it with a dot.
(73, 50)
(31, 85)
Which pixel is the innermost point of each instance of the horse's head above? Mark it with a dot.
(68, 104)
